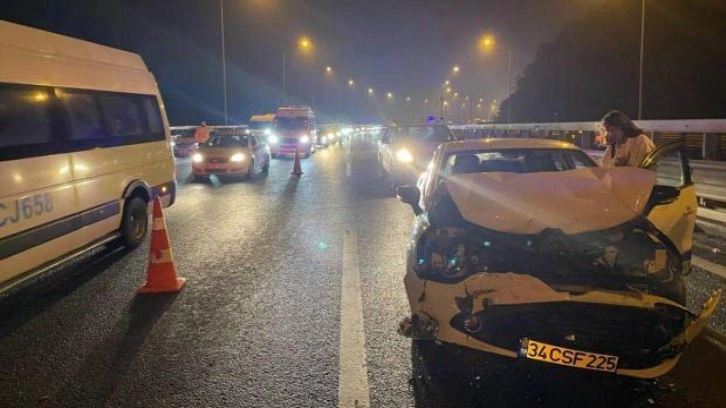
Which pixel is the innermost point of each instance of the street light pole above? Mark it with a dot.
(312, 105)
(509, 85)
(284, 83)
(224, 60)
(642, 49)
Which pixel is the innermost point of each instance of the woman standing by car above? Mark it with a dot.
(627, 143)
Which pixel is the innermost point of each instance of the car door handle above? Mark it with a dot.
(688, 211)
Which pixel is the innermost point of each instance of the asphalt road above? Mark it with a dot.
(291, 284)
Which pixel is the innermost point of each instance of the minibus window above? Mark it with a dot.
(26, 128)
(84, 116)
(24, 117)
(123, 115)
(153, 116)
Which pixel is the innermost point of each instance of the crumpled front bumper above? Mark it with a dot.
(444, 311)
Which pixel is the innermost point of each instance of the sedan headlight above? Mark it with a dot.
(273, 139)
(404, 156)
(267, 131)
(305, 139)
(197, 158)
(237, 157)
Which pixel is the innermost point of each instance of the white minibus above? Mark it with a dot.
(84, 149)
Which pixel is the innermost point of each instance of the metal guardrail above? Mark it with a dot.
(705, 138)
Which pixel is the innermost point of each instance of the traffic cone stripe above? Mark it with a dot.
(161, 274)
(158, 224)
(161, 256)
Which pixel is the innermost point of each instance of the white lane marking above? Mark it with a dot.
(347, 169)
(353, 375)
(709, 266)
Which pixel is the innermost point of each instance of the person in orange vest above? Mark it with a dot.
(201, 135)
(627, 143)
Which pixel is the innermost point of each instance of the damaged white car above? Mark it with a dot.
(529, 249)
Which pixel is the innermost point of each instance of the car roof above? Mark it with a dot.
(506, 143)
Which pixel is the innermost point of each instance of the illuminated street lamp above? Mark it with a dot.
(448, 90)
(328, 69)
(487, 43)
(408, 99)
(456, 69)
(370, 91)
(304, 44)
(351, 83)
(389, 95)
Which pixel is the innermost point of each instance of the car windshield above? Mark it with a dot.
(227, 141)
(516, 161)
(291, 123)
(423, 133)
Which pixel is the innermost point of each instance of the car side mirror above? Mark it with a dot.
(410, 195)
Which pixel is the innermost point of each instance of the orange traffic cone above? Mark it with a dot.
(161, 273)
(296, 169)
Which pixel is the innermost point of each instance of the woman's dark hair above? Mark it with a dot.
(619, 120)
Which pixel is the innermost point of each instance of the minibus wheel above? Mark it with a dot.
(135, 222)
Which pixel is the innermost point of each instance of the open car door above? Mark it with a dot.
(672, 205)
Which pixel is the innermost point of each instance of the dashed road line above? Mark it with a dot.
(353, 391)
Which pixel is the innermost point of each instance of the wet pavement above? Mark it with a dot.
(258, 323)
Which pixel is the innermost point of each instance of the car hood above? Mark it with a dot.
(572, 201)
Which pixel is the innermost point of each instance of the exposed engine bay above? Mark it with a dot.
(630, 256)
(627, 251)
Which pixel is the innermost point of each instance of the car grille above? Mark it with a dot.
(216, 160)
(634, 335)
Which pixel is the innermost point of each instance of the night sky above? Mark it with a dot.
(404, 47)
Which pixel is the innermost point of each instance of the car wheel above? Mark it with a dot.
(250, 170)
(135, 222)
(266, 167)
